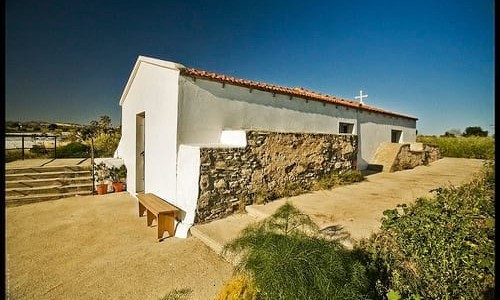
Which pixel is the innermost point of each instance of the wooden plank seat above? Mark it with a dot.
(159, 209)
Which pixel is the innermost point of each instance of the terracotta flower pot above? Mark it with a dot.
(102, 189)
(118, 186)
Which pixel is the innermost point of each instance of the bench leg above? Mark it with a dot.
(150, 217)
(165, 223)
(142, 209)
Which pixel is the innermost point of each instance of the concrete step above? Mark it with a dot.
(262, 211)
(54, 189)
(60, 181)
(384, 157)
(217, 233)
(35, 170)
(47, 175)
(17, 201)
(31, 181)
(257, 212)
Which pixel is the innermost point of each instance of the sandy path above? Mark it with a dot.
(96, 247)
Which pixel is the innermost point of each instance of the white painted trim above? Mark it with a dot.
(237, 138)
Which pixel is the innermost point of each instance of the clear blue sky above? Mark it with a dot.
(69, 61)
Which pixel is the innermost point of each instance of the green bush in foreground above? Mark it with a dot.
(288, 259)
(439, 248)
(464, 147)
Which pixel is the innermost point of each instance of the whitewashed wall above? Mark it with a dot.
(207, 108)
(188, 174)
(152, 89)
(376, 129)
(182, 113)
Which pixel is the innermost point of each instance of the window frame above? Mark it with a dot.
(349, 128)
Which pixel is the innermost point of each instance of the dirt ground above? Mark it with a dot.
(96, 247)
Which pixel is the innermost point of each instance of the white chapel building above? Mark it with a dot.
(170, 112)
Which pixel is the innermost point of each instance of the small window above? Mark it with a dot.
(346, 128)
(396, 136)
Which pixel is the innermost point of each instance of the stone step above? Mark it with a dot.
(61, 181)
(18, 201)
(54, 189)
(35, 170)
(47, 175)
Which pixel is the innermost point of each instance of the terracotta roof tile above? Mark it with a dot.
(294, 92)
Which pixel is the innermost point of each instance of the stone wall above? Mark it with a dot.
(230, 177)
(409, 159)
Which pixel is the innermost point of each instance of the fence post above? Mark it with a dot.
(55, 147)
(22, 146)
(92, 163)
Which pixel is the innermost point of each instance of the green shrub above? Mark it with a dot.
(336, 179)
(464, 147)
(16, 154)
(351, 176)
(38, 149)
(295, 188)
(105, 144)
(73, 150)
(439, 248)
(289, 259)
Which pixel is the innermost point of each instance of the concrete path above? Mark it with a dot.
(356, 208)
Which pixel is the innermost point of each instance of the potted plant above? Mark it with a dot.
(118, 176)
(102, 173)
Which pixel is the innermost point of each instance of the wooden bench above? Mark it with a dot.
(157, 208)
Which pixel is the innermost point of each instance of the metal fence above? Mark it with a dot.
(29, 142)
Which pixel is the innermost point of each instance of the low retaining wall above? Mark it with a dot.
(409, 159)
(231, 177)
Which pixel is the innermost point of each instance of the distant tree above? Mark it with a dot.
(104, 124)
(475, 131)
(448, 134)
(454, 132)
(53, 127)
(100, 136)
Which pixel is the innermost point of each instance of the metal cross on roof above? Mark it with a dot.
(360, 97)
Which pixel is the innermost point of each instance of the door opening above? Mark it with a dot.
(140, 156)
